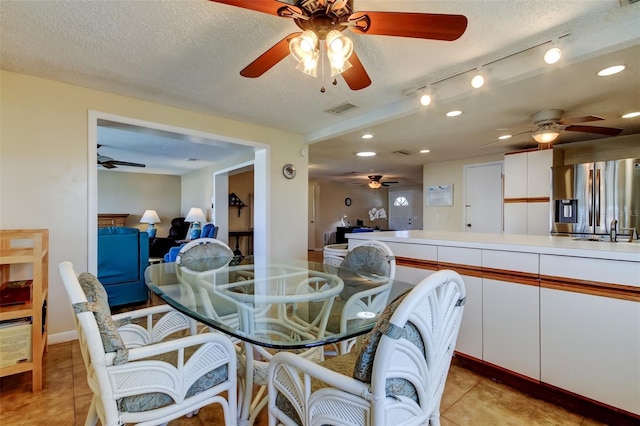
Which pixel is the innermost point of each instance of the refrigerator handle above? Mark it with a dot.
(597, 200)
(590, 203)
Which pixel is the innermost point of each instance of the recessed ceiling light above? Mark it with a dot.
(477, 81)
(632, 114)
(611, 70)
(454, 113)
(366, 154)
(367, 136)
(425, 151)
(552, 55)
(503, 137)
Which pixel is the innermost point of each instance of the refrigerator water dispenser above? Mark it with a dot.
(566, 211)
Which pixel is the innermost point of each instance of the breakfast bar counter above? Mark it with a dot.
(563, 314)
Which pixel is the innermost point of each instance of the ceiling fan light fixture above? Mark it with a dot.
(304, 46)
(309, 66)
(374, 184)
(338, 44)
(546, 134)
(338, 67)
(552, 55)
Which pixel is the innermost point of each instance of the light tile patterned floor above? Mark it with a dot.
(469, 399)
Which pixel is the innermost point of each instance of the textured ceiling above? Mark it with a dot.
(189, 54)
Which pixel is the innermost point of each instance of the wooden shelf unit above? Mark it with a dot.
(20, 247)
(111, 219)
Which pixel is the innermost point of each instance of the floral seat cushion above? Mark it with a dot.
(205, 257)
(153, 400)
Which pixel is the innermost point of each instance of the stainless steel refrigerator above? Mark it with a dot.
(588, 198)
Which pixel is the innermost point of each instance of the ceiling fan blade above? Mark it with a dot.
(417, 25)
(107, 165)
(123, 163)
(391, 181)
(607, 131)
(268, 59)
(584, 119)
(272, 7)
(356, 76)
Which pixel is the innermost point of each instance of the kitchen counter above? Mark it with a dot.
(548, 308)
(556, 245)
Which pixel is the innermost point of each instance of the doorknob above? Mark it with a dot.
(468, 225)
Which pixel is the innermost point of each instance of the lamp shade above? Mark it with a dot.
(195, 215)
(374, 184)
(150, 216)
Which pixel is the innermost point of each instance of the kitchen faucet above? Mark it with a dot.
(613, 233)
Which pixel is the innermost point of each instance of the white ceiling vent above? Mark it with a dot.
(341, 109)
(401, 152)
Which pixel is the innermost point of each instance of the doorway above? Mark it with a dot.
(260, 152)
(483, 197)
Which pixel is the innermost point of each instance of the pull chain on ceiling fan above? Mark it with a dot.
(325, 20)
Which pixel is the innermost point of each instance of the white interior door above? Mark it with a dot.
(312, 217)
(401, 210)
(483, 198)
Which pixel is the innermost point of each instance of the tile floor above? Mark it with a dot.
(469, 399)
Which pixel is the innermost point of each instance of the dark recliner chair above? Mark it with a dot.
(123, 256)
(178, 231)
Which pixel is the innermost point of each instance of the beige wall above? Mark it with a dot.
(44, 169)
(449, 172)
(330, 206)
(133, 193)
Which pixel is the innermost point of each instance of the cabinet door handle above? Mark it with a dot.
(468, 225)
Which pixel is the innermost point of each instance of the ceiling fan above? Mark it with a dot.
(110, 163)
(549, 123)
(375, 182)
(325, 20)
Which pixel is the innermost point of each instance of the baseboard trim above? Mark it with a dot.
(65, 336)
(549, 393)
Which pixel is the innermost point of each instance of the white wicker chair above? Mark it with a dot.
(373, 257)
(134, 375)
(398, 376)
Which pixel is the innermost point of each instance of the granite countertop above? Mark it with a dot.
(556, 245)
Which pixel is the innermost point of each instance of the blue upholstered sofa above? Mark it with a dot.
(123, 255)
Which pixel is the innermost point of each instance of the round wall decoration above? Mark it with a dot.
(347, 201)
(289, 171)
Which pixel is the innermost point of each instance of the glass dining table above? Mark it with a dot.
(267, 305)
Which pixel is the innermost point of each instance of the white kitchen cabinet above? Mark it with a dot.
(515, 218)
(538, 218)
(590, 345)
(510, 312)
(527, 188)
(515, 175)
(539, 173)
(510, 321)
(470, 334)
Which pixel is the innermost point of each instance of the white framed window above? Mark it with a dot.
(401, 201)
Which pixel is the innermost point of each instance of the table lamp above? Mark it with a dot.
(150, 217)
(196, 217)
